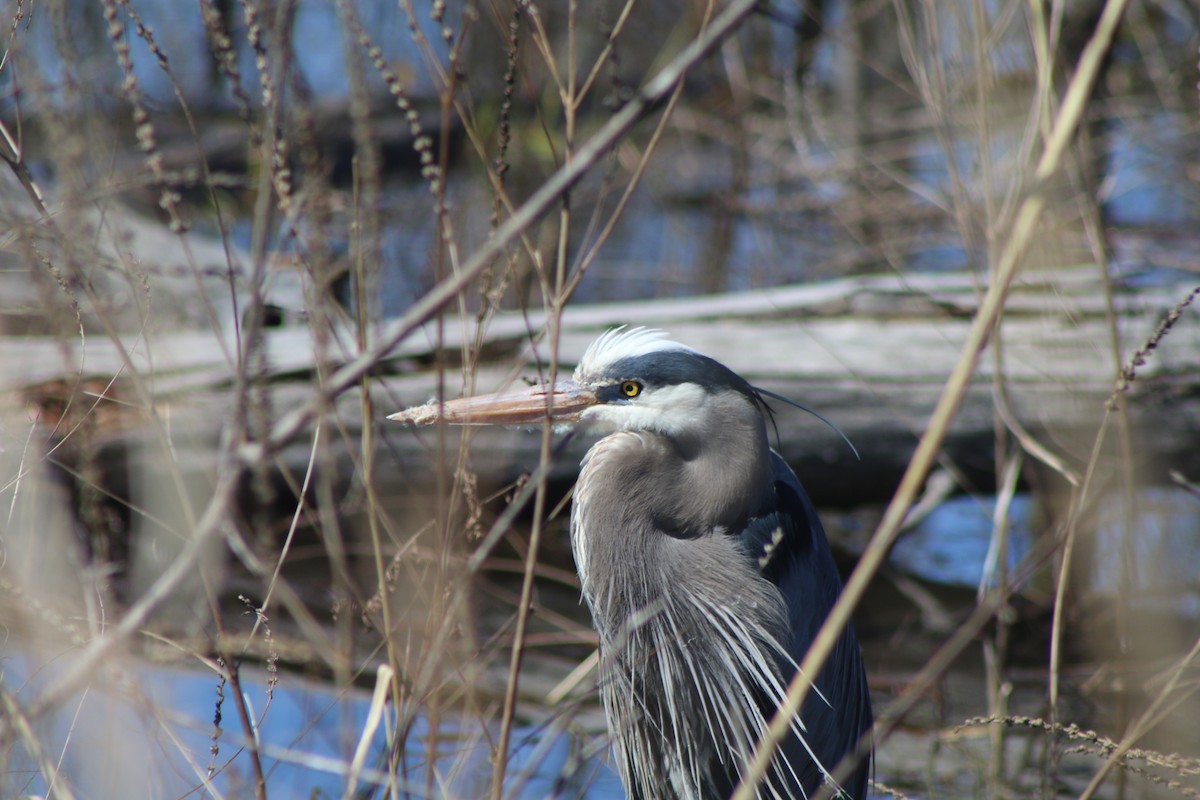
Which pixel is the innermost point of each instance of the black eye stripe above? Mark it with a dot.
(673, 367)
(613, 392)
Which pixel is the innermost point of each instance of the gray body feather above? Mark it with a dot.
(707, 575)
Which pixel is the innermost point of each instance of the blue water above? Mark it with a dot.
(1156, 557)
(659, 247)
(952, 544)
(147, 732)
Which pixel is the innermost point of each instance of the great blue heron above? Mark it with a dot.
(705, 567)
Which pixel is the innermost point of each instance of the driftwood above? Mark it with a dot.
(871, 353)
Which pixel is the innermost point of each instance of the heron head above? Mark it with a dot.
(628, 379)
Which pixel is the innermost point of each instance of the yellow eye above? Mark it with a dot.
(631, 388)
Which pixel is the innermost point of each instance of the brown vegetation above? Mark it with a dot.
(217, 275)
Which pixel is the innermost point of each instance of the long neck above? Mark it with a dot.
(687, 624)
(639, 488)
(719, 476)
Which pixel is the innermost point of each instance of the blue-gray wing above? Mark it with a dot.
(794, 554)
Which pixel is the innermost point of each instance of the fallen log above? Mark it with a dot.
(871, 353)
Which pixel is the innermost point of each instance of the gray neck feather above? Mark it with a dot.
(653, 514)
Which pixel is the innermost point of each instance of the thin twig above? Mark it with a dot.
(927, 449)
(1144, 722)
(586, 157)
(19, 720)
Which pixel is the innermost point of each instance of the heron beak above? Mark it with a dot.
(565, 401)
